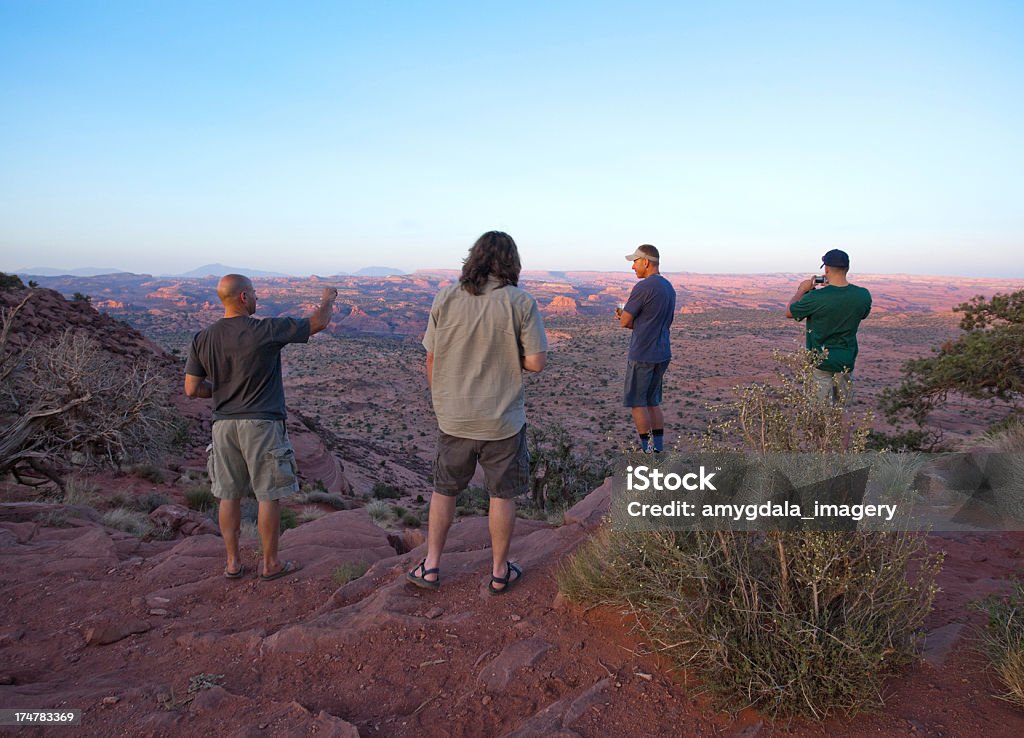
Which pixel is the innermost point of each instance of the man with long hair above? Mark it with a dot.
(482, 334)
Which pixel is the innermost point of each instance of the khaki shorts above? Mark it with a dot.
(835, 388)
(506, 464)
(251, 457)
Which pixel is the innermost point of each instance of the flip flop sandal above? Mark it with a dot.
(235, 574)
(288, 568)
(420, 579)
(507, 581)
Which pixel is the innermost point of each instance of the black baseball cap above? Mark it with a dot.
(836, 258)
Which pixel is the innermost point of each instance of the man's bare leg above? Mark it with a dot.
(269, 523)
(229, 515)
(501, 521)
(442, 512)
(655, 417)
(642, 419)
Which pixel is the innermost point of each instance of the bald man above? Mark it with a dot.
(237, 362)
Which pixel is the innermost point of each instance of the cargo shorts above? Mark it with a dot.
(251, 457)
(506, 464)
(835, 388)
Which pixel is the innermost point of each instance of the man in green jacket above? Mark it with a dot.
(833, 313)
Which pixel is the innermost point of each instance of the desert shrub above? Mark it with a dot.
(150, 501)
(118, 499)
(81, 297)
(803, 622)
(1008, 438)
(66, 399)
(311, 512)
(79, 492)
(791, 622)
(473, 501)
(384, 491)
(379, 512)
(345, 573)
(411, 520)
(180, 434)
(10, 282)
(784, 415)
(149, 472)
(53, 519)
(200, 498)
(562, 472)
(249, 530)
(317, 497)
(1003, 639)
(129, 521)
(289, 519)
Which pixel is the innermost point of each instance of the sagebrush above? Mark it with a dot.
(790, 622)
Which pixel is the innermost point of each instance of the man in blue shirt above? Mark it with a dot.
(648, 313)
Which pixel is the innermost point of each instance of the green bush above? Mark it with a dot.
(289, 519)
(562, 472)
(473, 501)
(150, 501)
(10, 282)
(1003, 639)
(200, 498)
(383, 491)
(149, 472)
(345, 573)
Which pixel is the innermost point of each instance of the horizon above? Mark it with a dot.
(328, 135)
(627, 273)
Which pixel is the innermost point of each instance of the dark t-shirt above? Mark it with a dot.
(833, 316)
(652, 303)
(242, 358)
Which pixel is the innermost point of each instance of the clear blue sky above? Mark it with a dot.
(318, 137)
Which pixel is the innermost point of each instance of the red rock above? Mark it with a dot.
(180, 519)
(102, 635)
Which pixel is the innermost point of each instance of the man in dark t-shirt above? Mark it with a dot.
(833, 313)
(237, 362)
(648, 313)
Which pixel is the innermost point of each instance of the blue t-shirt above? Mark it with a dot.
(652, 303)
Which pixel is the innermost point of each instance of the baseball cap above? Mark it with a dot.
(836, 258)
(638, 254)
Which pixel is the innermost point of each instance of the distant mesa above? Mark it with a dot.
(219, 270)
(378, 271)
(562, 305)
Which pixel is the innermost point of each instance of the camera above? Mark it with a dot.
(820, 279)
